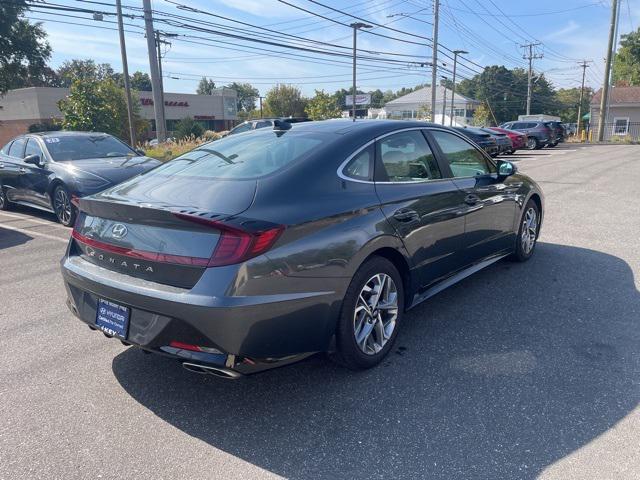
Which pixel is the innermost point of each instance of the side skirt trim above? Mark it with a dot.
(421, 297)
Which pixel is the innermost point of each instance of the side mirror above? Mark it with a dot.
(33, 160)
(506, 169)
(140, 152)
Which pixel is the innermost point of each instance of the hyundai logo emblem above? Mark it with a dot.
(119, 231)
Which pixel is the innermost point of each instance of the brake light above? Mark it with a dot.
(235, 244)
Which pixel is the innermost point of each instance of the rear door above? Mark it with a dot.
(424, 207)
(490, 202)
(8, 171)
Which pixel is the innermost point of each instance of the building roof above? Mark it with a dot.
(619, 95)
(422, 96)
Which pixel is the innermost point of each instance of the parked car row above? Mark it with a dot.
(539, 134)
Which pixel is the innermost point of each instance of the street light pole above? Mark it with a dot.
(444, 97)
(125, 74)
(453, 87)
(434, 68)
(356, 26)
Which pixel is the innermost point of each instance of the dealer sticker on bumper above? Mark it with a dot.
(112, 318)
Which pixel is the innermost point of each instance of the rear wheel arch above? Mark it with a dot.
(401, 264)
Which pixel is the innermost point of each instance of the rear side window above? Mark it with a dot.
(406, 157)
(244, 156)
(5, 150)
(463, 158)
(360, 167)
(17, 147)
(242, 128)
(263, 124)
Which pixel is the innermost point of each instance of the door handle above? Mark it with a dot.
(471, 199)
(22, 170)
(1, 165)
(406, 215)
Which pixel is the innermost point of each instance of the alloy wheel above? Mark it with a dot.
(62, 206)
(529, 230)
(375, 315)
(3, 199)
(531, 143)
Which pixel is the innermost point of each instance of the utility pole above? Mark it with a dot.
(125, 73)
(453, 87)
(444, 97)
(607, 72)
(260, 98)
(531, 57)
(434, 68)
(356, 26)
(156, 84)
(584, 66)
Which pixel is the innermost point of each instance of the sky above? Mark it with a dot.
(492, 31)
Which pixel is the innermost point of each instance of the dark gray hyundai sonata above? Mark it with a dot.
(264, 247)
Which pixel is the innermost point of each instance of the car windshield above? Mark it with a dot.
(244, 156)
(77, 147)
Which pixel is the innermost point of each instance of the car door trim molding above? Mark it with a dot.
(344, 164)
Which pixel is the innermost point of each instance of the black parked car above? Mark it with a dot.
(505, 145)
(265, 247)
(485, 140)
(538, 133)
(47, 170)
(559, 131)
(264, 123)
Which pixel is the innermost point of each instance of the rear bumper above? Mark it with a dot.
(260, 327)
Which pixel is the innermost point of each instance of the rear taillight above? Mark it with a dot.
(235, 244)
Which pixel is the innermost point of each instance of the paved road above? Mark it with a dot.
(520, 372)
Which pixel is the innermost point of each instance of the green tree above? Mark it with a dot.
(322, 106)
(567, 103)
(285, 101)
(98, 106)
(84, 71)
(377, 98)
(206, 86)
(247, 96)
(24, 50)
(482, 116)
(626, 69)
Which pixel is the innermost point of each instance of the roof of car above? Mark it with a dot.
(373, 127)
(66, 133)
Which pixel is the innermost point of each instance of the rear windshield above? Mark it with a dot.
(69, 147)
(244, 156)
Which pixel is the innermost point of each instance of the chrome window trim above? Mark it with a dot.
(369, 143)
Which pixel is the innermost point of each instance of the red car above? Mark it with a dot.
(518, 139)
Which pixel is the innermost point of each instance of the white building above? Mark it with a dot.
(23, 107)
(417, 105)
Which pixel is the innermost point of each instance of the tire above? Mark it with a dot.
(5, 204)
(552, 145)
(532, 143)
(511, 152)
(357, 349)
(62, 206)
(524, 248)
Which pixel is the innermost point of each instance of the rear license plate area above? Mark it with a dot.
(112, 318)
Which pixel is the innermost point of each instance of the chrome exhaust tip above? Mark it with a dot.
(220, 372)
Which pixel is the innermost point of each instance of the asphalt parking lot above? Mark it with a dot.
(521, 371)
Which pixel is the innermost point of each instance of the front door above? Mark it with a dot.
(35, 179)
(490, 201)
(422, 205)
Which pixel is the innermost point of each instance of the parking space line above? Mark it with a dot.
(35, 234)
(30, 219)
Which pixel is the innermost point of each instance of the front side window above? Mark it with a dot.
(17, 147)
(406, 157)
(33, 148)
(5, 150)
(463, 158)
(71, 147)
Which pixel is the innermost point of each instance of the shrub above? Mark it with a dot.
(188, 127)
